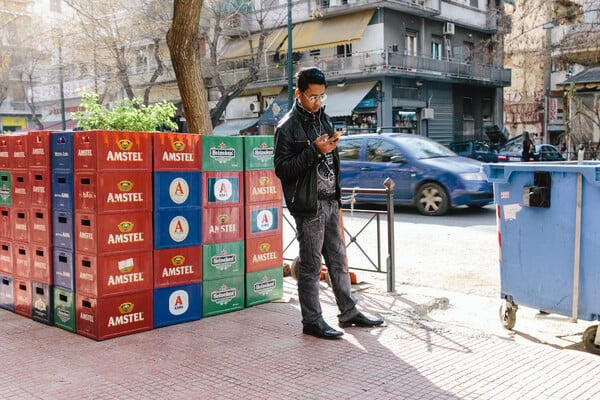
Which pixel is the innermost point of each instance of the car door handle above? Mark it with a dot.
(365, 168)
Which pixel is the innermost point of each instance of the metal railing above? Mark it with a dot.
(388, 61)
(353, 239)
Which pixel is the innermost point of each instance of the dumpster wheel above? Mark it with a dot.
(588, 340)
(508, 314)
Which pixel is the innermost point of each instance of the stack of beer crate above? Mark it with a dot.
(222, 224)
(114, 235)
(177, 228)
(263, 214)
(62, 214)
(6, 252)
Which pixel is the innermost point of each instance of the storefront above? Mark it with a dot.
(406, 119)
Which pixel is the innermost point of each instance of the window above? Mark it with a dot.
(436, 47)
(379, 150)
(486, 109)
(314, 52)
(344, 50)
(468, 120)
(349, 149)
(411, 44)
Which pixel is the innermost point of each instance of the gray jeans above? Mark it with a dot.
(323, 235)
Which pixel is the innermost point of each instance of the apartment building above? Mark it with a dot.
(427, 67)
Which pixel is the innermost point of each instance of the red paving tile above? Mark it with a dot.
(260, 353)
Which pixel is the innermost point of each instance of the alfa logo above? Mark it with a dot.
(178, 146)
(264, 181)
(264, 247)
(125, 144)
(222, 218)
(126, 308)
(177, 260)
(125, 186)
(125, 226)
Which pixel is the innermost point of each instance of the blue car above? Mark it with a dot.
(542, 152)
(475, 149)
(427, 174)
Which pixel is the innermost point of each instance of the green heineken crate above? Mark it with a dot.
(5, 189)
(221, 260)
(64, 309)
(222, 153)
(264, 286)
(259, 152)
(222, 295)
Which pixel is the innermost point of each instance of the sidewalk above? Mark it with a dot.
(260, 353)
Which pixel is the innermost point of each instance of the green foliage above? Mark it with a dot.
(127, 115)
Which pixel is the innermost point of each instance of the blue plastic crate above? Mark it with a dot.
(177, 190)
(62, 230)
(7, 293)
(63, 268)
(62, 191)
(177, 228)
(61, 151)
(177, 304)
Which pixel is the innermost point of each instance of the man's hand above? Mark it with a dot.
(326, 146)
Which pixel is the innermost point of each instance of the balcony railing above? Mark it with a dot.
(382, 61)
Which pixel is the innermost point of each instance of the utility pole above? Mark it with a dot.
(290, 64)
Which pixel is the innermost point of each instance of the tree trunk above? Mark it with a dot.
(183, 42)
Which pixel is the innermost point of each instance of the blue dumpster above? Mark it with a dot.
(549, 235)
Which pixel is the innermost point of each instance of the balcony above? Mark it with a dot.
(382, 62)
(414, 7)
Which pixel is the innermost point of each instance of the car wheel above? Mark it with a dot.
(432, 199)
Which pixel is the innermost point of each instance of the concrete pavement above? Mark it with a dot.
(423, 352)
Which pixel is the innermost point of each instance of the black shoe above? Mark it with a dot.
(321, 330)
(361, 320)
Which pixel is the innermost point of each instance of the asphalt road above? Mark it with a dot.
(456, 252)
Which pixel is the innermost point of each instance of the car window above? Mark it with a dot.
(459, 148)
(379, 150)
(349, 149)
(550, 154)
(422, 148)
(483, 147)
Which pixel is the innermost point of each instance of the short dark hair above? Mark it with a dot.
(309, 75)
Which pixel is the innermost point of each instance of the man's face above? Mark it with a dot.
(312, 98)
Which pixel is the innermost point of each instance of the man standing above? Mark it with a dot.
(308, 165)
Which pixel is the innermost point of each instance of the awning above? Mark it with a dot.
(342, 100)
(57, 125)
(240, 48)
(329, 32)
(276, 110)
(233, 127)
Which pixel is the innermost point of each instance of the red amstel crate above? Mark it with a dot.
(261, 186)
(5, 153)
(222, 224)
(177, 152)
(6, 257)
(102, 276)
(113, 233)
(39, 150)
(41, 263)
(113, 192)
(114, 316)
(20, 188)
(22, 288)
(106, 151)
(5, 222)
(19, 219)
(178, 266)
(21, 260)
(18, 147)
(264, 252)
(40, 182)
(40, 220)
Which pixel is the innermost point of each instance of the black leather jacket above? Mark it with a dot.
(297, 158)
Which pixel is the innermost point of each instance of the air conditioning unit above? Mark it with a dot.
(427, 113)
(254, 106)
(449, 28)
